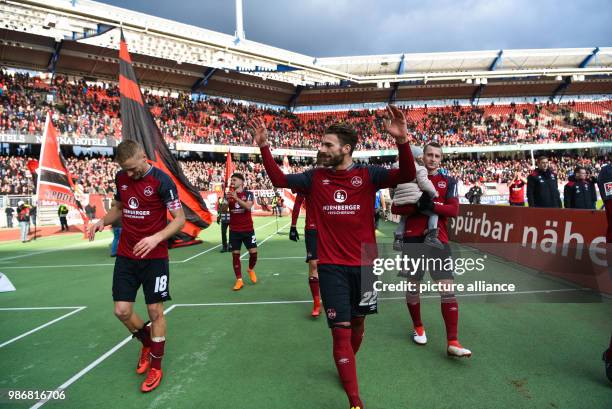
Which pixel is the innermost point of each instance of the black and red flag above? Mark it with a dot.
(138, 125)
(54, 182)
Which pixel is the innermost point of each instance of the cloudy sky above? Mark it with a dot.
(326, 28)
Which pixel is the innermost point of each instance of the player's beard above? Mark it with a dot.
(329, 160)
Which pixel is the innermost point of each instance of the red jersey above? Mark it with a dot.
(343, 202)
(240, 218)
(145, 204)
(517, 191)
(604, 181)
(445, 205)
(297, 206)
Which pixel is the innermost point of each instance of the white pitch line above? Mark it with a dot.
(217, 246)
(57, 266)
(280, 258)
(107, 264)
(95, 363)
(39, 308)
(266, 239)
(10, 341)
(48, 251)
(557, 290)
(91, 366)
(199, 254)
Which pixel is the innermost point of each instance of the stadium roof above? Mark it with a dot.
(80, 37)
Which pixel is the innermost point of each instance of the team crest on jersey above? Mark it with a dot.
(441, 184)
(237, 205)
(124, 187)
(331, 313)
(148, 191)
(133, 203)
(608, 188)
(340, 196)
(356, 181)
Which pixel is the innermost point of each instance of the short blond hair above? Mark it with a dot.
(127, 149)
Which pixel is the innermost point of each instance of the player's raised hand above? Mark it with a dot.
(94, 228)
(395, 124)
(260, 133)
(144, 246)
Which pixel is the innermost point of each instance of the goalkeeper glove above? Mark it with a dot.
(293, 234)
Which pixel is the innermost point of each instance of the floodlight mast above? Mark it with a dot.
(239, 21)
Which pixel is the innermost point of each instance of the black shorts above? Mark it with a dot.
(239, 237)
(521, 204)
(414, 249)
(152, 274)
(344, 294)
(311, 245)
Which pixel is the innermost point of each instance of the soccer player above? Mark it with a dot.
(144, 195)
(604, 182)
(310, 233)
(445, 205)
(342, 197)
(517, 190)
(240, 202)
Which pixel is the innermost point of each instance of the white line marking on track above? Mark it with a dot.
(25, 334)
(266, 239)
(112, 264)
(48, 251)
(91, 366)
(39, 308)
(95, 363)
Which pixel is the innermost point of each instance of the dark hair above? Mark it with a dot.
(579, 168)
(346, 134)
(542, 157)
(432, 144)
(126, 150)
(238, 176)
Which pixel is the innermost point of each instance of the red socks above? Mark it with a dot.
(357, 330)
(450, 313)
(345, 363)
(236, 262)
(414, 307)
(252, 260)
(313, 283)
(144, 335)
(157, 351)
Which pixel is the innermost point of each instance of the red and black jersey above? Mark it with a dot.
(343, 202)
(445, 205)
(240, 218)
(517, 191)
(310, 222)
(145, 204)
(604, 181)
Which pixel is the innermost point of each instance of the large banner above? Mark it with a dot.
(566, 243)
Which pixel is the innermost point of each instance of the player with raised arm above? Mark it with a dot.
(144, 195)
(240, 202)
(342, 198)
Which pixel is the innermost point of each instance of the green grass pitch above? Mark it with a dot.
(259, 348)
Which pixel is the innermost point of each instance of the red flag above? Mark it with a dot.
(138, 125)
(54, 181)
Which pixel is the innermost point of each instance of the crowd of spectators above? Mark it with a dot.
(97, 174)
(84, 110)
